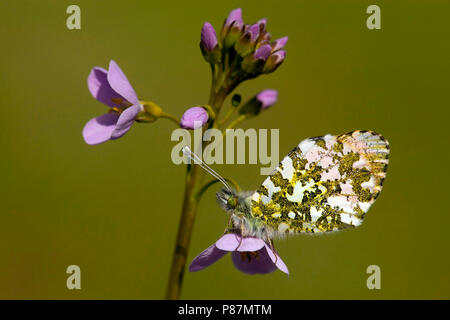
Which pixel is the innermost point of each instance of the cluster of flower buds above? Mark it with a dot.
(245, 50)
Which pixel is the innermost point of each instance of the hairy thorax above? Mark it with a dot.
(238, 205)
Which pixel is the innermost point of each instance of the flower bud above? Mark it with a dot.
(255, 63)
(267, 98)
(262, 28)
(234, 18)
(150, 112)
(247, 42)
(194, 118)
(279, 44)
(232, 28)
(274, 61)
(266, 36)
(209, 44)
(261, 101)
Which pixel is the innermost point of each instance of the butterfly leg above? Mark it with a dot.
(228, 225)
(242, 235)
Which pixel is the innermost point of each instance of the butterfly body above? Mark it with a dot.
(238, 204)
(325, 184)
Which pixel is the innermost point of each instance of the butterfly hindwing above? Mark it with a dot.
(325, 184)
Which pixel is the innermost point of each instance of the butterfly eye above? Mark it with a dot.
(232, 202)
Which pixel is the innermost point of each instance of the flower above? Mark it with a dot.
(249, 255)
(235, 18)
(267, 98)
(255, 63)
(262, 101)
(274, 61)
(112, 88)
(279, 44)
(209, 44)
(263, 52)
(245, 49)
(208, 37)
(231, 29)
(194, 118)
(247, 42)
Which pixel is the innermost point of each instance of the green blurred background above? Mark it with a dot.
(113, 209)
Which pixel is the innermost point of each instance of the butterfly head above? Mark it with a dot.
(237, 203)
(227, 199)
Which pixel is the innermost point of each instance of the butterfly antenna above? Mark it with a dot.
(189, 154)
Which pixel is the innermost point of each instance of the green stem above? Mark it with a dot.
(228, 115)
(170, 117)
(236, 121)
(185, 228)
(190, 202)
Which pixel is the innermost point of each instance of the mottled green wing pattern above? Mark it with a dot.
(325, 184)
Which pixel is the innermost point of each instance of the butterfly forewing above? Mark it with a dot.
(325, 184)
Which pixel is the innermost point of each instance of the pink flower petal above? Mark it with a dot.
(98, 130)
(267, 98)
(277, 260)
(228, 242)
(206, 258)
(235, 15)
(280, 43)
(251, 244)
(234, 242)
(100, 89)
(119, 82)
(126, 120)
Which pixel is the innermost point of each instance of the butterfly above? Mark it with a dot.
(324, 184)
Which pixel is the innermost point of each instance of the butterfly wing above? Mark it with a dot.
(325, 184)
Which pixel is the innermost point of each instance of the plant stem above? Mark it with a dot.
(190, 205)
(185, 227)
(170, 117)
(236, 121)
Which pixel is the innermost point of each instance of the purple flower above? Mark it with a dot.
(279, 56)
(263, 52)
(253, 30)
(232, 28)
(247, 42)
(113, 89)
(208, 37)
(234, 16)
(262, 23)
(279, 44)
(267, 98)
(274, 61)
(249, 255)
(263, 100)
(194, 118)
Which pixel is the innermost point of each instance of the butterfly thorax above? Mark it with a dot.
(239, 205)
